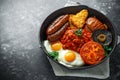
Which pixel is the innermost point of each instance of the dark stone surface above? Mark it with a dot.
(20, 55)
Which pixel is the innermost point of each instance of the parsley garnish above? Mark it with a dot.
(107, 49)
(78, 32)
(54, 54)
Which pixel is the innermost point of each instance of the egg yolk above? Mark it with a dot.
(56, 46)
(70, 56)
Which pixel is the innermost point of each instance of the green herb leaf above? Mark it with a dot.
(106, 53)
(107, 49)
(56, 57)
(78, 32)
(54, 54)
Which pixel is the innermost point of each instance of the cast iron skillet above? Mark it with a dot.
(73, 10)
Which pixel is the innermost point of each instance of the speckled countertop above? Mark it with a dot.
(20, 55)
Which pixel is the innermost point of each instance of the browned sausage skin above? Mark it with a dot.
(53, 23)
(57, 35)
(57, 24)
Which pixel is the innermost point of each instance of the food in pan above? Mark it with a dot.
(104, 37)
(57, 35)
(57, 24)
(66, 57)
(57, 28)
(70, 58)
(94, 24)
(74, 39)
(51, 47)
(78, 19)
(78, 39)
(92, 52)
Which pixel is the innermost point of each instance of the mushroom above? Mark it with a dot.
(104, 37)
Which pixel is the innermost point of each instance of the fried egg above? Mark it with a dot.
(66, 57)
(70, 58)
(57, 46)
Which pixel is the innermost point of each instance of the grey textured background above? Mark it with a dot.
(20, 55)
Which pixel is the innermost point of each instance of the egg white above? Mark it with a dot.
(47, 46)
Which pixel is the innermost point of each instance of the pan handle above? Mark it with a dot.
(72, 3)
(118, 37)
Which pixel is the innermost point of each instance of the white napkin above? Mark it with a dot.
(100, 71)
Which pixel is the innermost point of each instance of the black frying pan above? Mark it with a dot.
(73, 10)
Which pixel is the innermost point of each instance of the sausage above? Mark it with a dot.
(57, 35)
(94, 24)
(55, 21)
(57, 24)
